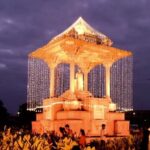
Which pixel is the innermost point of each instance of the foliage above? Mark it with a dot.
(24, 140)
(25, 117)
(3, 114)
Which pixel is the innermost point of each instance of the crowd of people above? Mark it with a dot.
(12, 139)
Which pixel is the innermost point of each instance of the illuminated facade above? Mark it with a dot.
(79, 78)
(107, 70)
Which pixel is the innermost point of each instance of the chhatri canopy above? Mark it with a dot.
(81, 44)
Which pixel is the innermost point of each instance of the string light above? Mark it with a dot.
(62, 78)
(96, 81)
(122, 83)
(38, 83)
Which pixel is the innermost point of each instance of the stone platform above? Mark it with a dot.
(87, 114)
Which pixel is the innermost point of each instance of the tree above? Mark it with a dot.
(3, 114)
(25, 117)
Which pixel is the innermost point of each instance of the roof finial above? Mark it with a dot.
(80, 18)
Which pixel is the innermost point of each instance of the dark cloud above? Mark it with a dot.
(26, 25)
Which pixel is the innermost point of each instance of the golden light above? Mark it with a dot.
(112, 107)
(80, 46)
(80, 29)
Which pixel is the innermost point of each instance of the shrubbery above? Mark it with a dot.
(24, 140)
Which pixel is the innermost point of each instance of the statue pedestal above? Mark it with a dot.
(89, 114)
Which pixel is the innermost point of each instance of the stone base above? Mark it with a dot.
(91, 127)
(74, 115)
(90, 118)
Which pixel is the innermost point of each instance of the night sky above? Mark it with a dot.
(26, 25)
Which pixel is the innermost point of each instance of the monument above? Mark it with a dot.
(75, 79)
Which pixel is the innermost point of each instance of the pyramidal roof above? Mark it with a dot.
(81, 27)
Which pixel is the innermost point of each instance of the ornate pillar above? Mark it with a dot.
(85, 81)
(107, 78)
(72, 76)
(52, 80)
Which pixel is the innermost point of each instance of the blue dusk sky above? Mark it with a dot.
(26, 25)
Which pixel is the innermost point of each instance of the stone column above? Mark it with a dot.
(107, 78)
(72, 76)
(52, 81)
(85, 81)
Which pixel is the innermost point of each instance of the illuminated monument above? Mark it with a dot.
(78, 78)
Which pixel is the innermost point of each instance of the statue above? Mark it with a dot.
(79, 80)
